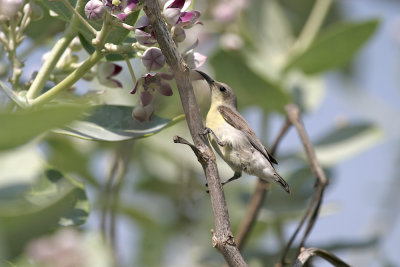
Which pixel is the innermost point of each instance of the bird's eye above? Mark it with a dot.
(222, 89)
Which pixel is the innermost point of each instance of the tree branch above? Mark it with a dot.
(308, 253)
(294, 117)
(222, 237)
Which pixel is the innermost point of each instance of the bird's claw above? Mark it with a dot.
(209, 131)
(206, 131)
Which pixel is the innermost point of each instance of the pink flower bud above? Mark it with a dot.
(94, 10)
(149, 111)
(9, 8)
(153, 59)
(139, 113)
(144, 32)
(143, 113)
(171, 15)
(105, 72)
(107, 69)
(165, 89)
(194, 60)
(146, 97)
(178, 34)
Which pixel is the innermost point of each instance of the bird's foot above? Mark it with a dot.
(237, 175)
(209, 131)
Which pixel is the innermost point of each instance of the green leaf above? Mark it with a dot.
(115, 123)
(250, 87)
(28, 211)
(346, 142)
(19, 127)
(67, 157)
(52, 25)
(58, 7)
(333, 48)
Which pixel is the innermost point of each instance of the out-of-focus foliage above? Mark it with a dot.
(56, 159)
(114, 123)
(19, 127)
(252, 89)
(333, 48)
(31, 210)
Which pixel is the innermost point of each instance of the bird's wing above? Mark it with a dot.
(232, 117)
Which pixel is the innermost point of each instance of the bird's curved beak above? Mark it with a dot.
(209, 80)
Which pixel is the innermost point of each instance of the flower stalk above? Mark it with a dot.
(79, 17)
(50, 63)
(313, 25)
(68, 81)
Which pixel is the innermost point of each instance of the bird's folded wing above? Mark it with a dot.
(237, 121)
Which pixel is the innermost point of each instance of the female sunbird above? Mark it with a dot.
(234, 140)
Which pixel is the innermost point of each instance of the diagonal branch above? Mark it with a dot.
(294, 117)
(222, 237)
(307, 253)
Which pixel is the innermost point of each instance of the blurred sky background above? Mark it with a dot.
(366, 186)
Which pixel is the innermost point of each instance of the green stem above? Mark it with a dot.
(57, 51)
(12, 55)
(50, 63)
(128, 63)
(25, 21)
(33, 93)
(69, 80)
(123, 25)
(12, 95)
(313, 24)
(102, 35)
(78, 16)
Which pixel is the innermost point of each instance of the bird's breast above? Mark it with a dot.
(237, 150)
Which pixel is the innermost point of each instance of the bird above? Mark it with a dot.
(234, 140)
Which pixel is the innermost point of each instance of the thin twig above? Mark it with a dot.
(299, 226)
(222, 238)
(123, 25)
(257, 199)
(124, 157)
(107, 195)
(307, 253)
(111, 195)
(130, 68)
(293, 113)
(78, 16)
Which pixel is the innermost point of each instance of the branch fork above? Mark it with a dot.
(201, 155)
(218, 242)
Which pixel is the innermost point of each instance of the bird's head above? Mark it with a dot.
(221, 93)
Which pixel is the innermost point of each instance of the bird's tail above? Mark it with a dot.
(282, 182)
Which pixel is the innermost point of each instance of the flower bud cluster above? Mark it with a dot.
(9, 8)
(177, 18)
(94, 10)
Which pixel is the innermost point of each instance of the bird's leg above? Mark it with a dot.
(209, 131)
(237, 175)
